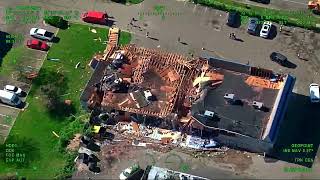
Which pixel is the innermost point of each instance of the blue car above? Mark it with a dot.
(252, 27)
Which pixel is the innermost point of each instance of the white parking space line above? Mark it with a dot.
(28, 57)
(5, 125)
(205, 10)
(194, 8)
(2, 105)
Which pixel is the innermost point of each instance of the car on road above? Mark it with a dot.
(262, 1)
(265, 30)
(314, 93)
(252, 26)
(233, 19)
(279, 58)
(14, 89)
(9, 98)
(96, 17)
(41, 34)
(37, 44)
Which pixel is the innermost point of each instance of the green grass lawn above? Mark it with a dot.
(14, 60)
(33, 128)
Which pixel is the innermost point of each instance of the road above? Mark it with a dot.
(200, 27)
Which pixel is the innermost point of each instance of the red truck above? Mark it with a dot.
(95, 17)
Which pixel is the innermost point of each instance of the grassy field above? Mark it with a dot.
(58, 81)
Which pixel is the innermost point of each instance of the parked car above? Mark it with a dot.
(262, 1)
(252, 26)
(279, 58)
(95, 17)
(314, 93)
(9, 98)
(14, 89)
(129, 171)
(36, 44)
(265, 30)
(233, 19)
(41, 34)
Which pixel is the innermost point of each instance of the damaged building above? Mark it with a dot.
(235, 104)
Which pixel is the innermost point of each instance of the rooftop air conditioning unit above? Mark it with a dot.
(257, 105)
(148, 94)
(229, 96)
(117, 81)
(209, 113)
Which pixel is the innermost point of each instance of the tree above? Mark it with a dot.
(56, 21)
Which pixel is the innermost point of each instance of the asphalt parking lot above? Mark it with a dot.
(201, 27)
(8, 114)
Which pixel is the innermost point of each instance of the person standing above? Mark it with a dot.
(147, 34)
(179, 39)
(131, 22)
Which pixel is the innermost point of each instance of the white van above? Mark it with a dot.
(9, 98)
(314, 93)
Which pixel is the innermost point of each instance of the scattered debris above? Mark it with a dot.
(67, 102)
(74, 144)
(137, 143)
(77, 65)
(54, 133)
(93, 31)
(53, 59)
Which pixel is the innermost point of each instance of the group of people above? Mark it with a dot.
(232, 36)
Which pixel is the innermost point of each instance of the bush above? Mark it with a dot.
(56, 21)
(299, 19)
(68, 132)
(69, 168)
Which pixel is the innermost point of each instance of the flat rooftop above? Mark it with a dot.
(243, 119)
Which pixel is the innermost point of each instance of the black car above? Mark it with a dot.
(279, 58)
(233, 19)
(252, 27)
(262, 1)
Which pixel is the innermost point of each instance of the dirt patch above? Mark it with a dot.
(74, 143)
(240, 160)
(305, 43)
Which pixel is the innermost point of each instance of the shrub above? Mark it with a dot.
(69, 131)
(69, 168)
(56, 21)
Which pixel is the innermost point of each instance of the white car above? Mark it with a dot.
(128, 172)
(265, 30)
(314, 93)
(41, 34)
(13, 89)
